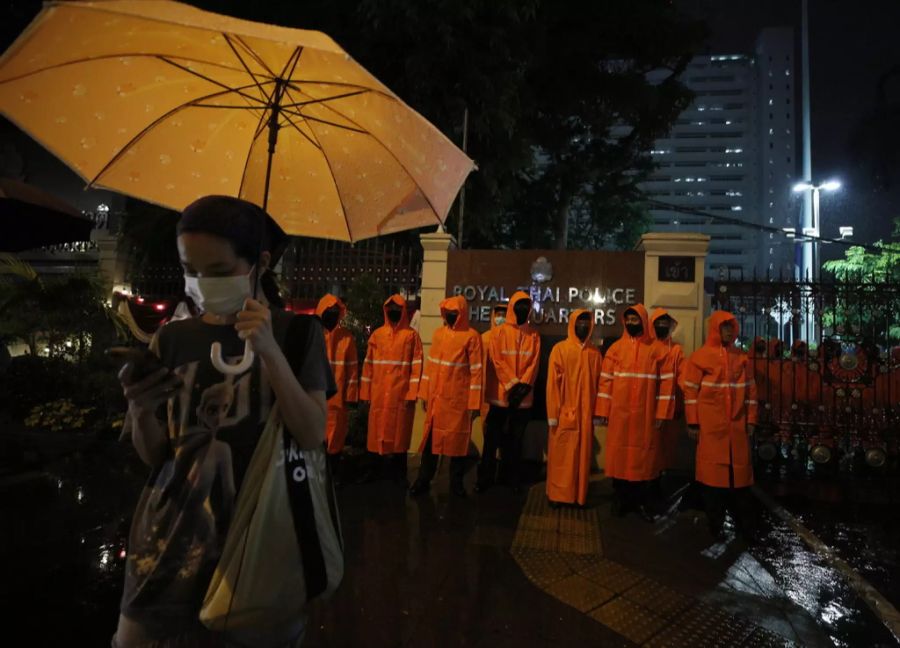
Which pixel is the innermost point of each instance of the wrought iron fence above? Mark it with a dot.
(826, 360)
(313, 267)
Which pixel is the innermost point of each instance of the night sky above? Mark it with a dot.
(851, 45)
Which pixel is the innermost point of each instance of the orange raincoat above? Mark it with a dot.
(777, 404)
(799, 385)
(674, 364)
(720, 396)
(573, 377)
(516, 355)
(390, 380)
(635, 391)
(340, 348)
(451, 385)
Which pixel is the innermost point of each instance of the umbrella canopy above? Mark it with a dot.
(31, 218)
(168, 103)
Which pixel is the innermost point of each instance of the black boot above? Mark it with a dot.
(419, 488)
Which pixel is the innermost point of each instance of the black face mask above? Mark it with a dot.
(522, 309)
(451, 316)
(634, 330)
(662, 332)
(761, 349)
(582, 329)
(330, 318)
(393, 315)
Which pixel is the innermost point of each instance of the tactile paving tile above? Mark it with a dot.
(611, 575)
(658, 598)
(582, 562)
(578, 522)
(702, 626)
(581, 544)
(762, 638)
(580, 593)
(538, 522)
(543, 540)
(543, 568)
(629, 620)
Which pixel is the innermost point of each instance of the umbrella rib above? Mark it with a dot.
(363, 88)
(389, 152)
(256, 57)
(260, 127)
(297, 113)
(213, 81)
(105, 57)
(297, 128)
(245, 66)
(148, 128)
(300, 104)
(337, 189)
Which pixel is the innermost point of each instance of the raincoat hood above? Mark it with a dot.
(457, 303)
(518, 296)
(327, 302)
(573, 317)
(713, 337)
(647, 335)
(662, 312)
(776, 348)
(801, 346)
(756, 341)
(404, 316)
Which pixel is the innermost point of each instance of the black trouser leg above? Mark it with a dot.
(399, 472)
(745, 511)
(428, 468)
(511, 449)
(457, 471)
(714, 500)
(494, 423)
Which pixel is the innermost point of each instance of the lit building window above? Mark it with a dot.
(737, 208)
(771, 102)
(771, 131)
(787, 73)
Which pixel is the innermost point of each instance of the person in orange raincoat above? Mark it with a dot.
(635, 393)
(515, 356)
(800, 387)
(759, 363)
(451, 395)
(390, 382)
(498, 317)
(573, 377)
(720, 406)
(662, 329)
(340, 348)
(778, 407)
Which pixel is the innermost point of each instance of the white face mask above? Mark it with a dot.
(499, 321)
(219, 295)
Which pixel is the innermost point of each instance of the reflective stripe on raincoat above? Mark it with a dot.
(391, 376)
(340, 348)
(451, 384)
(573, 376)
(634, 392)
(516, 356)
(720, 397)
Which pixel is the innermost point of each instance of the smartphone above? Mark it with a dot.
(144, 361)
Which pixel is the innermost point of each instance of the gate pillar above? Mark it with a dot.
(669, 283)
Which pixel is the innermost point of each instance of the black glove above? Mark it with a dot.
(517, 394)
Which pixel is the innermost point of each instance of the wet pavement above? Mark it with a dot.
(496, 569)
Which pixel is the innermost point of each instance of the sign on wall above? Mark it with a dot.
(558, 281)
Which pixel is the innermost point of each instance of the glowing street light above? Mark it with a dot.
(811, 251)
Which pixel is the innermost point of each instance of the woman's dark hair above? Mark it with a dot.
(248, 228)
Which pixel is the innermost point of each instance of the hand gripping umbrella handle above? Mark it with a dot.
(215, 355)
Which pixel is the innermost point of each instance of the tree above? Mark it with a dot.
(867, 272)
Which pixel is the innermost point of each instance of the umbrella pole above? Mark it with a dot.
(273, 141)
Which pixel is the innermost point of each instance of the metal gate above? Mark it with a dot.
(826, 360)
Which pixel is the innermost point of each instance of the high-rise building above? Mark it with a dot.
(733, 154)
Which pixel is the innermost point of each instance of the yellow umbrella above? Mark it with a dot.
(167, 103)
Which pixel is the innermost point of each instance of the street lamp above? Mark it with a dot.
(811, 248)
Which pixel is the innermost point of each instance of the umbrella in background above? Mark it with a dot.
(168, 103)
(31, 218)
